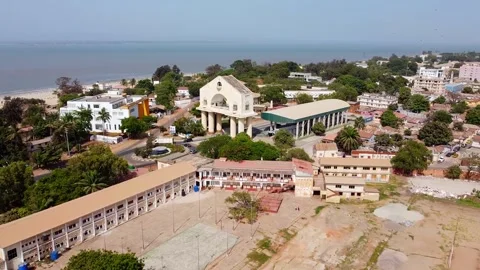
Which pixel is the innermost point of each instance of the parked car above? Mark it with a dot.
(449, 154)
(441, 159)
(188, 140)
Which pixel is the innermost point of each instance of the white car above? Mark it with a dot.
(441, 159)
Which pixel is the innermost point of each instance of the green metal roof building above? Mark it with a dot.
(331, 112)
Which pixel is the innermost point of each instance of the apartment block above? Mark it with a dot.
(380, 101)
(470, 71)
(436, 85)
(337, 188)
(371, 170)
(34, 237)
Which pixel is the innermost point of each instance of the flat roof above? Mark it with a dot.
(338, 180)
(305, 111)
(248, 165)
(367, 162)
(99, 98)
(326, 147)
(40, 222)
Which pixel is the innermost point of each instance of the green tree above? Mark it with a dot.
(404, 94)
(473, 116)
(283, 139)
(407, 132)
(441, 116)
(467, 90)
(298, 153)
(104, 259)
(47, 156)
(104, 116)
(418, 103)
(393, 107)
(440, 100)
(435, 133)
(213, 70)
(160, 72)
(383, 141)
(303, 98)
(133, 82)
(343, 92)
(348, 139)
(133, 126)
(211, 147)
(145, 84)
(413, 156)
(359, 123)
(319, 129)
(243, 206)
(166, 92)
(63, 99)
(189, 126)
(458, 126)
(12, 147)
(15, 178)
(194, 88)
(459, 107)
(349, 80)
(453, 172)
(91, 182)
(389, 119)
(273, 94)
(123, 82)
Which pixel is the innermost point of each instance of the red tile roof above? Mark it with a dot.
(365, 135)
(266, 165)
(303, 166)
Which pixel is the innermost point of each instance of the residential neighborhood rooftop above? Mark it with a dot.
(246, 165)
(326, 147)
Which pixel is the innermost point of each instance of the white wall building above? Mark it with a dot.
(182, 91)
(292, 94)
(302, 75)
(436, 85)
(119, 107)
(431, 72)
(470, 71)
(380, 101)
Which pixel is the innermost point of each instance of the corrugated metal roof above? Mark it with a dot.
(29, 226)
(305, 111)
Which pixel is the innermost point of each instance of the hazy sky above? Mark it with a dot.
(368, 21)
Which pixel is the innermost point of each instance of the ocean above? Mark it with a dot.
(27, 67)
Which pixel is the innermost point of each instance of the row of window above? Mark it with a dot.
(351, 194)
(354, 168)
(340, 186)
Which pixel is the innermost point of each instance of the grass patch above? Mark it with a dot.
(287, 235)
(387, 190)
(376, 253)
(471, 202)
(259, 258)
(319, 209)
(353, 251)
(265, 243)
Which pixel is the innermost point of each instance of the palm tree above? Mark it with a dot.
(104, 116)
(133, 82)
(123, 82)
(91, 182)
(359, 123)
(348, 139)
(84, 116)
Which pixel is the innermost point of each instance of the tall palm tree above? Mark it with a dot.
(123, 82)
(104, 116)
(84, 117)
(91, 182)
(133, 82)
(359, 123)
(348, 139)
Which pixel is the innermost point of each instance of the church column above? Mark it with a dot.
(241, 125)
(219, 122)
(211, 122)
(204, 120)
(233, 127)
(249, 127)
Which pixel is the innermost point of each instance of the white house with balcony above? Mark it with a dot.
(118, 106)
(380, 101)
(225, 96)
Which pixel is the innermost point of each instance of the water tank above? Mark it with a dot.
(54, 255)
(196, 188)
(23, 266)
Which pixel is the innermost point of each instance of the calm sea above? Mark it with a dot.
(34, 66)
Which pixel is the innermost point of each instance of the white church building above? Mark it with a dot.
(225, 96)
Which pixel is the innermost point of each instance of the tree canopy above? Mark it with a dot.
(133, 126)
(189, 126)
(473, 116)
(104, 259)
(243, 148)
(441, 116)
(211, 147)
(348, 139)
(418, 103)
(145, 84)
(389, 119)
(303, 98)
(404, 94)
(243, 206)
(15, 178)
(459, 107)
(298, 153)
(274, 94)
(166, 92)
(318, 128)
(435, 133)
(413, 156)
(283, 139)
(160, 72)
(359, 123)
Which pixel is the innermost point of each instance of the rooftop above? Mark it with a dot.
(29, 226)
(354, 162)
(99, 98)
(237, 84)
(303, 166)
(305, 111)
(326, 147)
(339, 180)
(257, 165)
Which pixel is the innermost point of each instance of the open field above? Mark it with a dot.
(319, 236)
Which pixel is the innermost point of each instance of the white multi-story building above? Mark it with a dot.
(119, 107)
(315, 94)
(436, 85)
(470, 71)
(430, 72)
(380, 101)
(302, 75)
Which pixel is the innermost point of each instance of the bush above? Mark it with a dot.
(453, 172)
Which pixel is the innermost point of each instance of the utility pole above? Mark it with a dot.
(68, 145)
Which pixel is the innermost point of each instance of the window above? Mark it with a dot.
(359, 194)
(374, 168)
(109, 211)
(334, 167)
(235, 107)
(354, 168)
(130, 202)
(86, 220)
(120, 206)
(340, 193)
(98, 126)
(366, 168)
(247, 107)
(58, 232)
(97, 215)
(338, 186)
(96, 106)
(72, 226)
(140, 198)
(353, 193)
(205, 102)
(346, 168)
(384, 169)
(327, 167)
(351, 187)
(12, 254)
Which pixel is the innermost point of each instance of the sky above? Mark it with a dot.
(252, 21)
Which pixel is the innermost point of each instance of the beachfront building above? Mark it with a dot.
(118, 106)
(435, 85)
(305, 76)
(34, 237)
(299, 119)
(378, 101)
(470, 71)
(257, 175)
(371, 170)
(225, 96)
